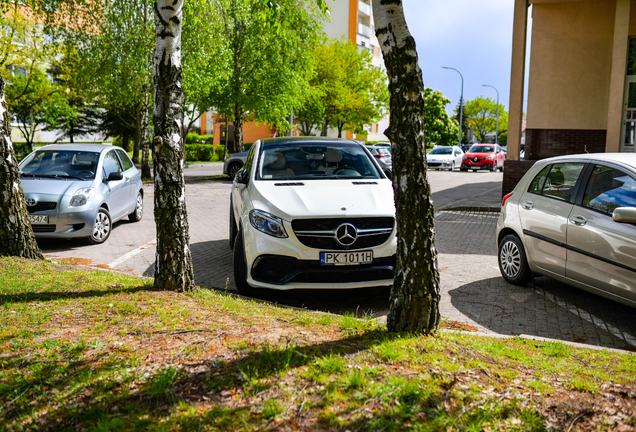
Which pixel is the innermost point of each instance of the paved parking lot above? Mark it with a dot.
(473, 292)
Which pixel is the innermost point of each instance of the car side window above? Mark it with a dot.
(123, 157)
(250, 158)
(608, 189)
(557, 181)
(111, 163)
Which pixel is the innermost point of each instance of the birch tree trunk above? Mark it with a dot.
(16, 235)
(145, 145)
(173, 265)
(238, 129)
(415, 295)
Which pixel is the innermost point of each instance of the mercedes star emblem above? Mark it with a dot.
(31, 202)
(346, 234)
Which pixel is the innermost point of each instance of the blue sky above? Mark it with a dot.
(473, 36)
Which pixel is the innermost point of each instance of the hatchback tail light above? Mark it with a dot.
(505, 198)
(380, 155)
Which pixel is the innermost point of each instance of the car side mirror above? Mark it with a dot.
(388, 172)
(114, 176)
(624, 214)
(242, 176)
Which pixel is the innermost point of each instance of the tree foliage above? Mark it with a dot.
(266, 49)
(439, 128)
(347, 90)
(481, 117)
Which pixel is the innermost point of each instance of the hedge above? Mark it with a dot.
(203, 152)
(194, 138)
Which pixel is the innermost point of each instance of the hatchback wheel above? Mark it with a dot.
(240, 268)
(101, 227)
(512, 261)
(139, 209)
(452, 168)
(233, 169)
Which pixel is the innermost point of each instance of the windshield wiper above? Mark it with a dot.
(53, 176)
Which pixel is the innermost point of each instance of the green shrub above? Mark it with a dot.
(21, 150)
(195, 138)
(203, 153)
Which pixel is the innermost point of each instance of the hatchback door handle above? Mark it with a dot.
(578, 220)
(528, 205)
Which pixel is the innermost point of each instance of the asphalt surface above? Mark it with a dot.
(474, 295)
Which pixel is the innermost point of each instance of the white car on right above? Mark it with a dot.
(444, 157)
(573, 218)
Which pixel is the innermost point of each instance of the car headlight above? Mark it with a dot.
(465, 158)
(267, 223)
(81, 197)
(491, 157)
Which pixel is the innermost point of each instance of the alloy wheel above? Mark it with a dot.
(510, 259)
(101, 230)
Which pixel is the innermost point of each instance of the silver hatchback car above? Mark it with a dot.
(80, 190)
(573, 218)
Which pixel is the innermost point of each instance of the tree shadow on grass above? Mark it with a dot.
(27, 297)
(96, 403)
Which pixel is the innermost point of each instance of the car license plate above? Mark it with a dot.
(346, 258)
(38, 219)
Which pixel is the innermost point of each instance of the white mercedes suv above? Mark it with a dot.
(311, 213)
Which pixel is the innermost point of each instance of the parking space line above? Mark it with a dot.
(132, 253)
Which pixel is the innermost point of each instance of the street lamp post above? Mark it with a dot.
(497, 130)
(461, 103)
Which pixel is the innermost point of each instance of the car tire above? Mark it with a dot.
(136, 215)
(494, 168)
(232, 228)
(240, 268)
(513, 264)
(452, 168)
(102, 227)
(463, 168)
(233, 169)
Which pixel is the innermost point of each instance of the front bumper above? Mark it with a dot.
(284, 264)
(440, 164)
(65, 221)
(478, 166)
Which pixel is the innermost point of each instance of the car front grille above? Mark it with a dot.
(43, 228)
(472, 159)
(322, 233)
(41, 206)
(279, 270)
(434, 164)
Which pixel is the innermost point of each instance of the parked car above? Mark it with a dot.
(234, 163)
(444, 157)
(483, 156)
(382, 156)
(383, 144)
(311, 213)
(573, 218)
(80, 190)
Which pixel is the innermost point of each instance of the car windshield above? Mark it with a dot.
(60, 164)
(481, 149)
(303, 161)
(441, 151)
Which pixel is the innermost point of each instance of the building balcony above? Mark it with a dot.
(364, 9)
(364, 30)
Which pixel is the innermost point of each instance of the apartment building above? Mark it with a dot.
(581, 81)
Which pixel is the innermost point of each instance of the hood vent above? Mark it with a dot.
(289, 184)
(364, 183)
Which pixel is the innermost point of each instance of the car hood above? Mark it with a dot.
(439, 156)
(325, 198)
(479, 155)
(51, 187)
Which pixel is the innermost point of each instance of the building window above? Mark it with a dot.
(631, 57)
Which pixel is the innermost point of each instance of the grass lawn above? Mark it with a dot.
(98, 351)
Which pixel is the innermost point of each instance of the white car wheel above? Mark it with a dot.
(101, 227)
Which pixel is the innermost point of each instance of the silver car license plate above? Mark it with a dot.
(38, 219)
(346, 258)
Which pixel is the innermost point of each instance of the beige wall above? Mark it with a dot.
(570, 65)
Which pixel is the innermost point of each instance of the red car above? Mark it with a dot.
(483, 156)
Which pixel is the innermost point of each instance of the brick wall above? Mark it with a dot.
(513, 171)
(545, 143)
